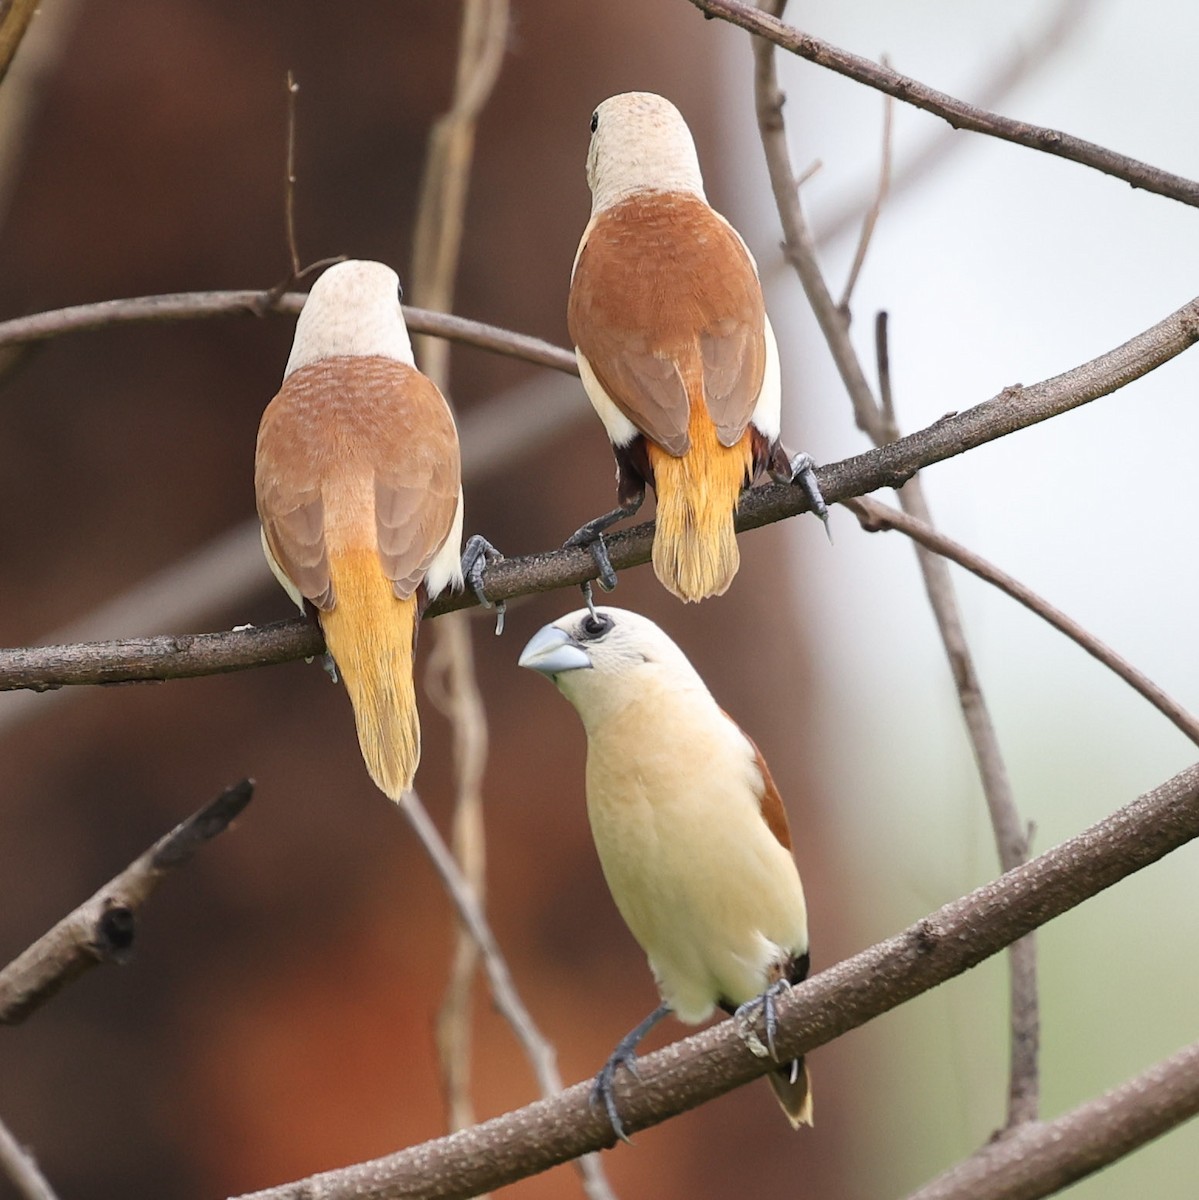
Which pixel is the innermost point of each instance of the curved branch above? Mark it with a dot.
(170, 657)
(193, 306)
(876, 518)
(1045, 1156)
(688, 1073)
(958, 113)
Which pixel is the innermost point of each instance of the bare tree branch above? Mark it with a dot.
(1003, 78)
(875, 517)
(102, 929)
(959, 114)
(878, 421)
(1043, 1157)
(180, 656)
(688, 1073)
(540, 1052)
(196, 306)
(17, 1163)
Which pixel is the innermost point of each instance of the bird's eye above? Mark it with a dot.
(594, 121)
(400, 292)
(594, 628)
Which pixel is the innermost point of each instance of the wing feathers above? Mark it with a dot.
(664, 288)
(357, 453)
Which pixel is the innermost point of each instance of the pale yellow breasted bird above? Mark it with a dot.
(358, 483)
(690, 829)
(674, 347)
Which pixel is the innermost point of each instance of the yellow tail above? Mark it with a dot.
(371, 635)
(695, 545)
(794, 1094)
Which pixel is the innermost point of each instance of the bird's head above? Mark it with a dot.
(602, 661)
(353, 309)
(640, 142)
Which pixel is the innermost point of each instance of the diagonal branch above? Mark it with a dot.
(1043, 1157)
(102, 929)
(179, 656)
(949, 941)
(958, 113)
(17, 1163)
(875, 517)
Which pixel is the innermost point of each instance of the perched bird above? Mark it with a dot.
(690, 829)
(358, 482)
(674, 347)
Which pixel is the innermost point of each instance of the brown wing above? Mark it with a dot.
(352, 453)
(664, 293)
(773, 812)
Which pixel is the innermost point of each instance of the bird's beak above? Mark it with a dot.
(552, 651)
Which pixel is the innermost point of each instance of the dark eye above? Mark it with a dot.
(400, 292)
(594, 628)
(594, 121)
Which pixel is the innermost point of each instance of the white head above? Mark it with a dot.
(353, 309)
(640, 142)
(602, 663)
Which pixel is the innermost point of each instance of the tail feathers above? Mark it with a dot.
(793, 1087)
(695, 544)
(371, 635)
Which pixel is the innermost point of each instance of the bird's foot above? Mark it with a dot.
(800, 470)
(744, 1015)
(625, 1055)
(479, 552)
(330, 667)
(591, 539)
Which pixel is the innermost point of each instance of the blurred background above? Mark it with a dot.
(277, 1019)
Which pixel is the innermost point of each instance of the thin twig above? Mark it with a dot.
(102, 929)
(181, 656)
(1044, 1157)
(18, 1164)
(691, 1072)
(875, 517)
(289, 179)
(1002, 79)
(872, 213)
(538, 1050)
(196, 306)
(958, 113)
(1010, 836)
(437, 244)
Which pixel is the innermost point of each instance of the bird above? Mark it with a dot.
(674, 348)
(691, 834)
(357, 478)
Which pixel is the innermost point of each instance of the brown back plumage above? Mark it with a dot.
(664, 291)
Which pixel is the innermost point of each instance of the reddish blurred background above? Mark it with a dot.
(277, 1018)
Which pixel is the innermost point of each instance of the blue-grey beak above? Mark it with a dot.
(552, 651)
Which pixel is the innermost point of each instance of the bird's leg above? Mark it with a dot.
(625, 1055)
(591, 537)
(475, 558)
(798, 469)
(743, 1018)
(588, 598)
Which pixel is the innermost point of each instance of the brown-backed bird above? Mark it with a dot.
(358, 483)
(674, 348)
(690, 830)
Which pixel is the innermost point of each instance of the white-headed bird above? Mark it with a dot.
(358, 482)
(691, 832)
(674, 347)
